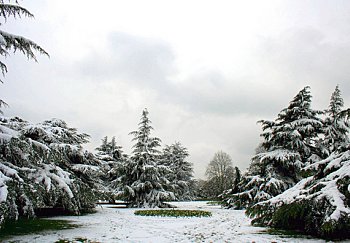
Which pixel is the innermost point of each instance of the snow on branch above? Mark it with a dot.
(278, 155)
(19, 43)
(16, 11)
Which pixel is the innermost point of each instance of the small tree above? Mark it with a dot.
(336, 126)
(110, 150)
(112, 158)
(220, 173)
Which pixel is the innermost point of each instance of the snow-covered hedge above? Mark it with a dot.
(318, 204)
(44, 165)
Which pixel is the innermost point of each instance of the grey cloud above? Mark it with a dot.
(136, 60)
(149, 63)
(211, 92)
(309, 56)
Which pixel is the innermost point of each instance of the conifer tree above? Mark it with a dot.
(289, 145)
(143, 182)
(103, 148)
(44, 165)
(112, 157)
(110, 150)
(318, 204)
(336, 126)
(181, 175)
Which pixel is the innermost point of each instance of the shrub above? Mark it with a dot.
(174, 213)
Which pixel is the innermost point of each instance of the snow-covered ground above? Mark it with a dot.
(121, 225)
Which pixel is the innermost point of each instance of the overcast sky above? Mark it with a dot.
(206, 70)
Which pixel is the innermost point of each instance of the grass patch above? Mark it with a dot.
(76, 240)
(215, 203)
(28, 226)
(173, 213)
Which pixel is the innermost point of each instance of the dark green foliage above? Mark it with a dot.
(307, 217)
(174, 213)
(291, 216)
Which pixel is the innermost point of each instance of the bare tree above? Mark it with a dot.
(220, 173)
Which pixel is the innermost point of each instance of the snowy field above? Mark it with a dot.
(121, 225)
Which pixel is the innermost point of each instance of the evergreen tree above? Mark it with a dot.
(288, 145)
(318, 205)
(336, 126)
(181, 175)
(44, 165)
(110, 150)
(103, 148)
(112, 157)
(143, 182)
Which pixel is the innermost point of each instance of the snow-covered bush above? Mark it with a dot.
(44, 165)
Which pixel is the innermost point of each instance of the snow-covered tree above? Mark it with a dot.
(143, 182)
(290, 140)
(318, 205)
(44, 165)
(181, 174)
(10, 42)
(110, 150)
(336, 126)
(112, 157)
(288, 145)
